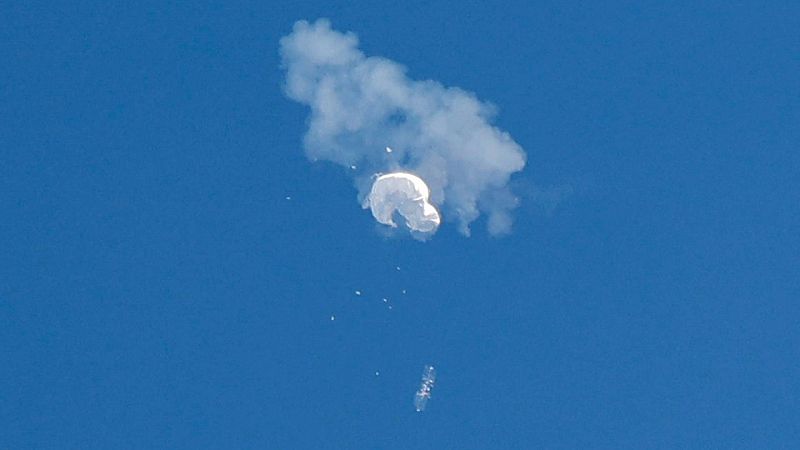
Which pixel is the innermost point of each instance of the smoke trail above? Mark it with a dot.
(360, 105)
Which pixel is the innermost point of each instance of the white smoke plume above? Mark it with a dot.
(360, 105)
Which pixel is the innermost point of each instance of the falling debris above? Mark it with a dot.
(404, 291)
(377, 373)
(424, 391)
(358, 292)
(406, 194)
(333, 317)
(388, 150)
(353, 167)
(398, 267)
(385, 300)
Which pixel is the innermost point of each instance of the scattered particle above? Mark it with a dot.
(333, 317)
(288, 197)
(404, 291)
(358, 292)
(390, 306)
(388, 150)
(353, 167)
(398, 267)
(377, 373)
(385, 300)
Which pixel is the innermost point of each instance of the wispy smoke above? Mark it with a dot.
(360, 105)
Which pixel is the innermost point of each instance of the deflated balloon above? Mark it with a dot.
(406, 194)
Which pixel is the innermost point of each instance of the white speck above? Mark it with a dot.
(377, 373)
(358, 292)
(353, 167)
(333, 317)
(388, 150)
(288, 197)
(398, 267)
(390, 306)
(404, 291)
(385, 300)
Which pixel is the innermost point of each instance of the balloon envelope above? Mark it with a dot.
(406, 194)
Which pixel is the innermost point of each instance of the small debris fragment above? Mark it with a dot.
(333, 317)
(358, 292)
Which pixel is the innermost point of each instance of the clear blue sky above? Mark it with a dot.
(158, 291)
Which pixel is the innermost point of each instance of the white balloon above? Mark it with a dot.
(406, 194)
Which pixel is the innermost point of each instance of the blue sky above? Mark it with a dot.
(157, 290)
